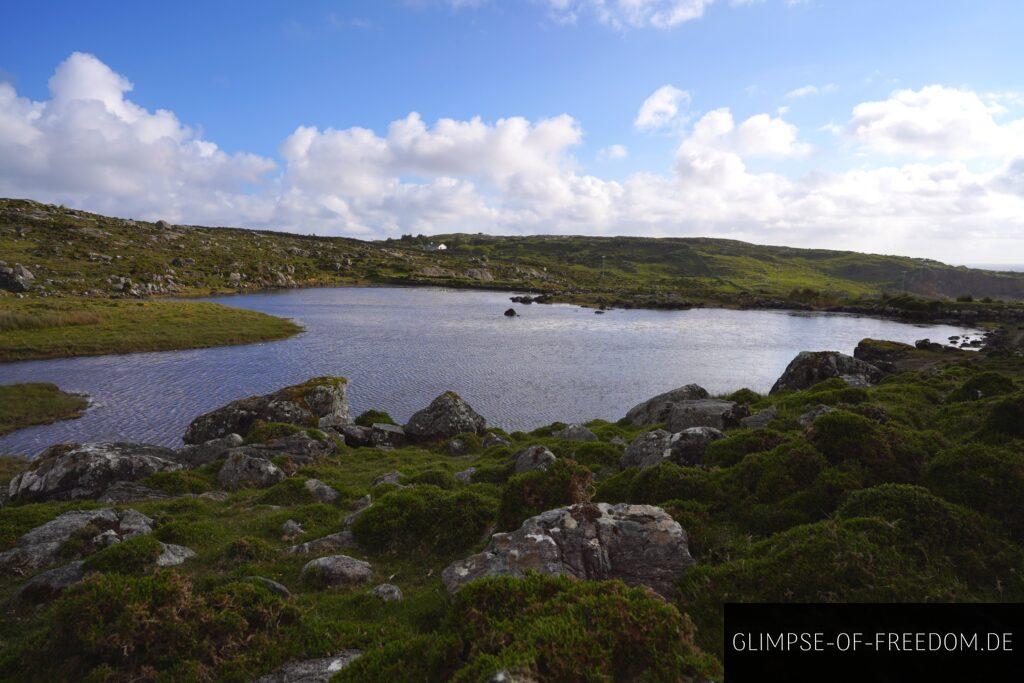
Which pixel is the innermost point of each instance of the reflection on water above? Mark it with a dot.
(401, 347)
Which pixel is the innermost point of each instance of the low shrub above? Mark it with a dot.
(249, 549)
(983, 385)
(738, 445)
(985, 478)
(1007, 417)
(439, 478)
(425, 518)
(179, 482)
(593, 454)
(133, 556)
(186, 531)
(371, 417)
(548, 629)
(565, 482)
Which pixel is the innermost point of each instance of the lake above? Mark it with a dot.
(401, 347)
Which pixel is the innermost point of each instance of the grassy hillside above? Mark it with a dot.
(77, 253)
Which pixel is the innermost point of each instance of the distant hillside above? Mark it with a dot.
(79, 253)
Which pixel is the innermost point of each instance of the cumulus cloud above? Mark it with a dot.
(936, 121)
(631, 13)
(661, 108)
(90, 146)
(613, 153)
(809, 90)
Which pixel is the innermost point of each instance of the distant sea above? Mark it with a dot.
(1019, 267)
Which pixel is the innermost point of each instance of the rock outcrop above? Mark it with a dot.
(15, 279)
(760, 419)
(197, 455)
(75, 471)
(575, 432)
(533, 458)
(446, 416)
(689, 445)
(656, 410)
(705, 412)
(683, 448)
(811, 367)
(639, 544)
(242, 471)
(44, 545)
(337, 570)
(319, 402)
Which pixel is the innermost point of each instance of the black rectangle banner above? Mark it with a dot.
(874, 642)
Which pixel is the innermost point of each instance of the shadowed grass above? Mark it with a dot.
(23, 405)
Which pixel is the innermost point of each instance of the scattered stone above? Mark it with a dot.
(73, 471)
(447, 415)
(706, 412)
(656, 410)
(291, 528)
(271, 585)
(639, 544)
(533, 458)
(321, 492)
(173, 555)
(510, 313)
(394, 478)
(337, 570)
(312, 670)
(760, 419)
(319, 402)
(241, 471)
(324, 544)
(811, 367)
(388, 592)
(575, 432)
(466, 476)
(813, 414)
(492, 439)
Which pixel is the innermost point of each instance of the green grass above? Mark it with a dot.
(24, 405)
(53, 328)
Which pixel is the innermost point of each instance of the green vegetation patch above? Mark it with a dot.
(23, 405)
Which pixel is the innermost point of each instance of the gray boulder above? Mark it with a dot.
(813, 414)
(16, 279)
(759, 419)
(446, 416)
(388, 592)
(575, 433)
(705, 412)
(647, 449)
(657, 409)
(355, 435)
(173, 555)
(688, 446)
(337, 570)
(121, 492)
(271, 585)
(466, 475)
(51, 583)
(533, 458)
(387, 435)
(811, 367)
(300, 448)
(319, 402)
(394, 478)
(73, 471)
(312, 670)
(196, 455)
(292, 528)
(242, 471)
(639, 544)
(324, 544)
(491, 439)
(321, 492)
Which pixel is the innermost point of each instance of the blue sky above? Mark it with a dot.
(933, 171)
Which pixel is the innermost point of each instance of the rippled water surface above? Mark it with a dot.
(401, 347)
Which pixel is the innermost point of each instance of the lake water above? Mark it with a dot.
(401, 347)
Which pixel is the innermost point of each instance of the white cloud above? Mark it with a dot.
(622, 14)
(808, 90)
(936, 121)
(613, 153)
(91, 147)
(661, 108)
